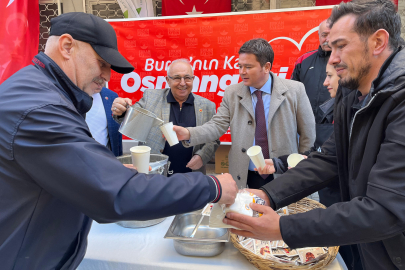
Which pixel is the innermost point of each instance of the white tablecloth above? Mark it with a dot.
(114, 247)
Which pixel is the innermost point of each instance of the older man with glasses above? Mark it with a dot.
(178, 105)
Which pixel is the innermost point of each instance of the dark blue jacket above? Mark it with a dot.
(55, 178)
(115, 138)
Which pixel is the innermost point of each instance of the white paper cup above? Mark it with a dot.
(169, 133)
(140, 158)
(256, 155)
(294, 159)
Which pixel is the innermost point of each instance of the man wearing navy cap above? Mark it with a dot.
(54, 177)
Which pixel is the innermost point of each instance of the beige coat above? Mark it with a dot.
(290, 114)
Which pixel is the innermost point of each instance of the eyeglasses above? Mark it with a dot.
(186, 78)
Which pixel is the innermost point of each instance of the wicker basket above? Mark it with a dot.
(301, 206)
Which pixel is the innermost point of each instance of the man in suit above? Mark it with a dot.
(178, 105)
(271, 118)
(101, 124)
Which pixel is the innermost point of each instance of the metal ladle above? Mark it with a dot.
(196, 227)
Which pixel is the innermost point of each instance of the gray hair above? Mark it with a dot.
(371, 16)
(182, 60)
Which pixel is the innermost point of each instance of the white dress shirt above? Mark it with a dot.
(97, 120)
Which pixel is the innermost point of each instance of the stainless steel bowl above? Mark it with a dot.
(207, 241)
(160, 165)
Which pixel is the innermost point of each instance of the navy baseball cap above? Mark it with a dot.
(95, 31)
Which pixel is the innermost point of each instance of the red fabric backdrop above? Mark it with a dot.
(211, 43)
(19, 35)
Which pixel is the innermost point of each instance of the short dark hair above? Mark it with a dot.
(260, 48)
(371, 16)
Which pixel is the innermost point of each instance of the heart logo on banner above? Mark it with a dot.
(299, 45)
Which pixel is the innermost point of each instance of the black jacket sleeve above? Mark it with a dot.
(376, 216)
(310, 175)
(55, 148)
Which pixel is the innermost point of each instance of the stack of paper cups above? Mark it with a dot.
(169, 133)
(294, 159)
(256, 155)
(140, 158)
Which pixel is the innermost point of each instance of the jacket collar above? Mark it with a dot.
(327, 105)
(277, 96)
(170, 98)
(80, 99)
(383, 79)
(199, 109)
(323, 53)
(278, 89)
(276, 85)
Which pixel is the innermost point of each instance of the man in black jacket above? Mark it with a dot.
(54, 177)
(365, 154)
(310, 69)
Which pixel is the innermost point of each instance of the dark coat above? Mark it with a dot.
(310, 69)
(115, 138)
(366, 156)
(55, 178)
(325, 126)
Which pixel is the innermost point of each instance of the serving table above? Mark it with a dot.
(113, 247)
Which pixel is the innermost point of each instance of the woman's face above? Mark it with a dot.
(331, 80)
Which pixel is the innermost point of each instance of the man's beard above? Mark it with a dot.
(354, 83)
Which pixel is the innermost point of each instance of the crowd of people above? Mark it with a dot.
(343, 108)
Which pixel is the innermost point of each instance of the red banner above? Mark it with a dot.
(19, 35)
(211, 43)
(194, 7)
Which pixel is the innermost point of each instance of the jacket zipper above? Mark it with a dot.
(354, 117)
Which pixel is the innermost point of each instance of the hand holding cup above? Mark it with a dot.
(169, 133)
(294, 159)
(140, 158)
(256, 155)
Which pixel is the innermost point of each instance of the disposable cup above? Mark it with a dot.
(169, 133)
(294, 159)
(256, 155)
(140, 158)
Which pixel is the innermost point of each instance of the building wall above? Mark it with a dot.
(401, 11)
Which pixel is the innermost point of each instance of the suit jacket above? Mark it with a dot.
(155, 100)
(115, 138)
(290, 113)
